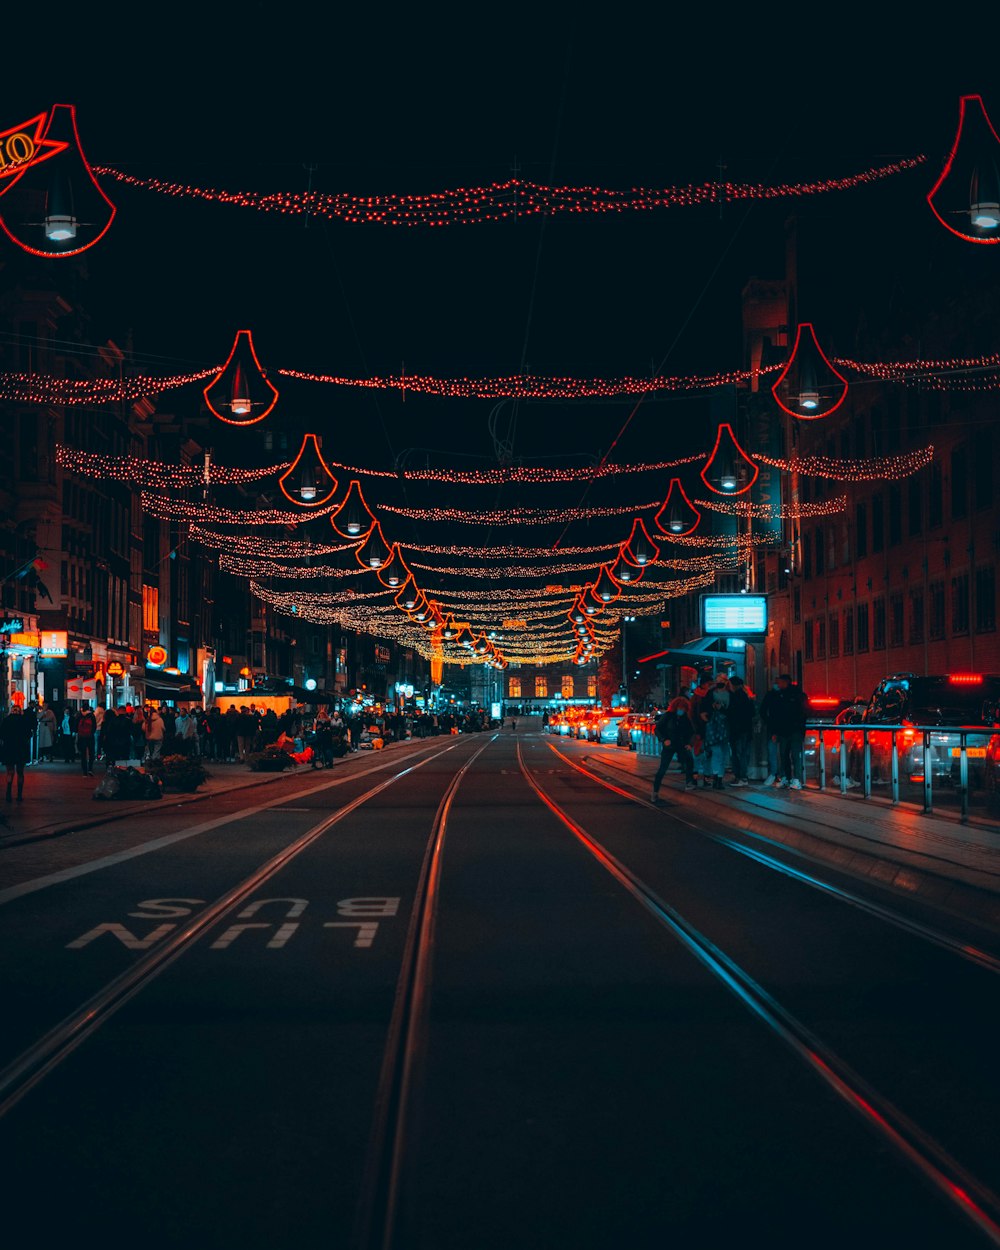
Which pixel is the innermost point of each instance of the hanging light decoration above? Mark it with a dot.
(481, 646)
(809, 386)
(393, 572)
(625, 570)
(353, 518)
(422, 609)
(449, 629)
(240, 393)
(678, 515)
(577, 612)
(307, 481)
(434, 619)
(374, 551)
(606, 587)
(728, 470)
(591, 602)
(640, 547)
(56, 185)
(966, 197)
(465, 637)
(409, 596)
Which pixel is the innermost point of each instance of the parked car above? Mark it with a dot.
(631, 726)
(945, 702)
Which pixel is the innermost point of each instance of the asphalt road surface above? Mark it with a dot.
(471, 995)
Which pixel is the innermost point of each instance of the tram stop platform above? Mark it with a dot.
(932, 858)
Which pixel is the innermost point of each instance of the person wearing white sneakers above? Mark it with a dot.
(791, 725)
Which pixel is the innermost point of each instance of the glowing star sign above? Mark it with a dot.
(966, 197)
(809, 386)
(728, 465)
(240, 393)
(52, 203)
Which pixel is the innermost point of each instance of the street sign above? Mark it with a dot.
(734, 614)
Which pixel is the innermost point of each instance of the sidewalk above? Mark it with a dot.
(59, 799)
(933, 858)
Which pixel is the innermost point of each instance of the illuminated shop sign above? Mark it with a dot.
(54, 644)
(156, 656)
(734, 614)
(21, 146)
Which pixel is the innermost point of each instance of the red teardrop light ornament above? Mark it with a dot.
(393, 572)
(435, 618)
(625, 570)
(409, 595)
(422, 609)
(809, 386)
(576, 612)
(678, 516)
(353, 519)
(240, 393)
(374, 551)
(465, 637)
(728, 470)
(606, 587)
(640, 548)
(966, 197)
(591, 603)
(54, 207)
(307, 481)
(449, 629)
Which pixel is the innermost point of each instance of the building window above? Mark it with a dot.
(959, 482)
(834, 635)
(895, 516)
(848, 631)
(514, 688)
(820, 553)
(809, 640)
(916, 616)
(982, 469)
(862, 635)
(935, 626)
(821, 638)
(896, 619)
(935, 496)
(878, 624)
(915, 505)
(878, 523)
(151, 609)
(986, 600)
(860, 531)
(592, 687)
(567, 686)
(960, 604)
(541, 687)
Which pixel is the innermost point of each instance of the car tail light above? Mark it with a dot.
(909, 734)
(966, 679)
(823, 700)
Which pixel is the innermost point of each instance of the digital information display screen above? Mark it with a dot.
(734, 614)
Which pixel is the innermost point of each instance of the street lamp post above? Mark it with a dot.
(625, 680)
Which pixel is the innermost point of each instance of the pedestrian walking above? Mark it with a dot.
(67, 735)
(717, 735)
(700, 709)
(741, 715)
(674, 729)
(47, 731)
(15, 748)
(86, 739)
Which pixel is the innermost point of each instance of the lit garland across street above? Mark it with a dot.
(764, 511)
(156, 473)
(165, 509)
(878, 468)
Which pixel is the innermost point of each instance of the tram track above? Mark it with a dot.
(50, 1050)
(973, 1199)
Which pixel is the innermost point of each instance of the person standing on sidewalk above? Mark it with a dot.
(15, 748)
(792, 712)
(769, 714)
(47, 730)
(741, 713)
(674, 730)
(701, 706)
(86, 739)
(116, 737)
(154, 731)
(717, 734)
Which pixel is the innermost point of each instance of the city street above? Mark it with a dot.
(466, 994)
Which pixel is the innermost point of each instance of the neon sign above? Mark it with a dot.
(19, 147)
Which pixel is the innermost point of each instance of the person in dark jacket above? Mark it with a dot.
(741, 711)
(15, 748)
(675, 731)
(792, 710)
(769, 714)
(701, 707)
(116, 737)
(86, 739)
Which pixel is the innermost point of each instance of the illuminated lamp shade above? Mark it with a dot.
(353, 518)
(308, 482)
(577, 612)
(481, 646)
(678, 516)
(465, 637)
(966, 197)
(435, 619)
(606, 588)
(409, 596)
(240, 393)
(422, 609)
(590, 602)
(809, 386)
(625, 570)
(640, 548)
(449, 629)
(728, 470)
(54, 206)
(393, 572)
(374, 551)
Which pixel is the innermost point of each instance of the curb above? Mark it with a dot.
(963, 898)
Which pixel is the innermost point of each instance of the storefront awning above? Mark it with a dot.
(700, 651)
(161, 685)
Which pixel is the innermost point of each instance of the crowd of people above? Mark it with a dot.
(709, 731)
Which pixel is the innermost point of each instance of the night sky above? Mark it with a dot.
(247, 96)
